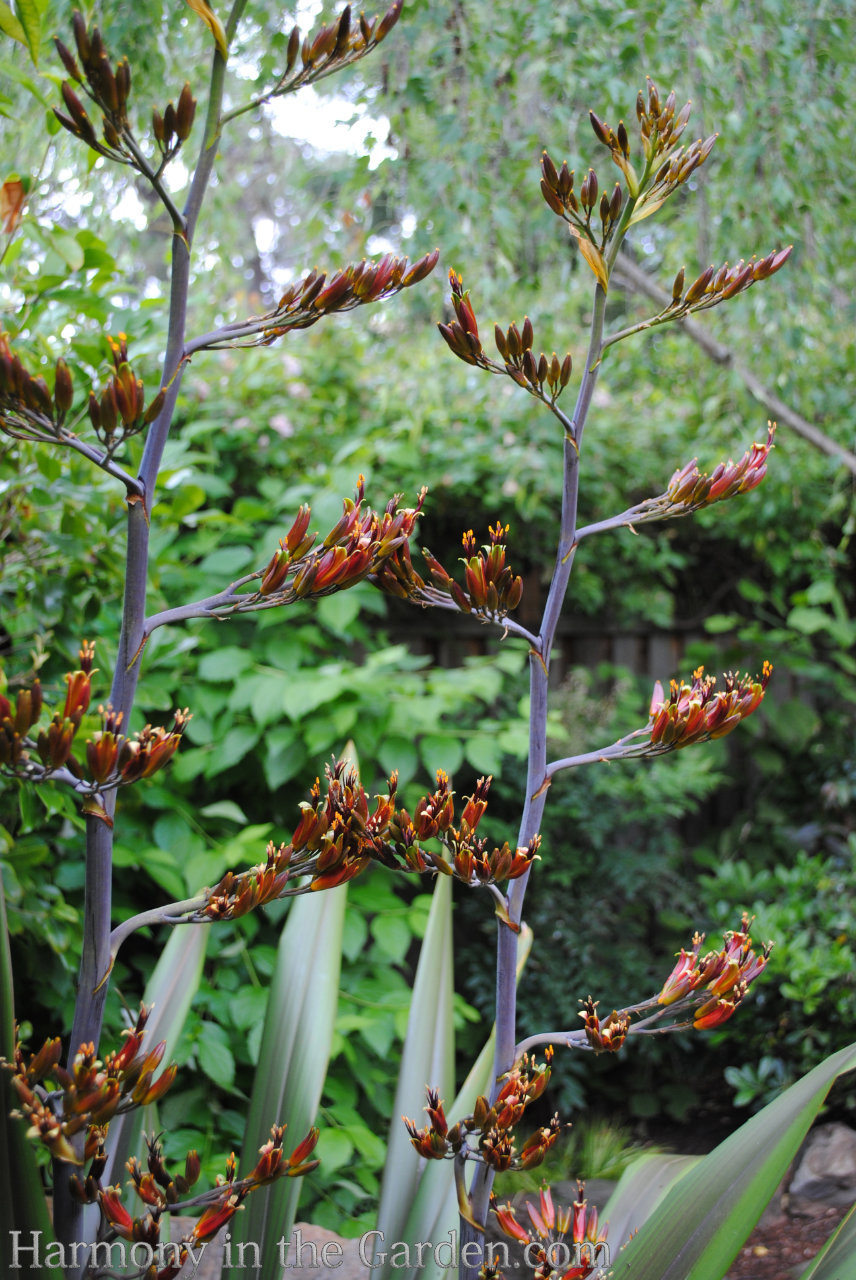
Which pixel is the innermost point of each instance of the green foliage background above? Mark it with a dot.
(469, 95)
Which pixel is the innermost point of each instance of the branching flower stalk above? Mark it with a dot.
(28, 410)
(688, 715)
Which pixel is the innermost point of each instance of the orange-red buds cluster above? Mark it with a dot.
(158, 1189)
(28, 409)
(542, 376)
(112, 760)
(155, 1185)
(696, 712)
(15, 726)
(487, 1134)
(604, 1037)
(689, 489)
(356, 547)
(92, 1091)
(332, 47)
(557, 188)
(716, 285)
(339, 835)
(310, 299)
(565, 1241)
(493, 589)
(120, 412)
(720, 978)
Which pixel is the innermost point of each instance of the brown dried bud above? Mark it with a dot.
(293, 46)
(515, 346)
(548, 169)
(588, 190)
(123, 84)
(615, 202)
(602, 132)
(527, 337)
(81, 36)
(698, 287)
(501, 344)
(169, 123)
(343, 32)
(388, 21)
(552, 198)
(678, 286)
(68, 61)
(111, 136)
(63, 388)
(623, 140)
(184, 113)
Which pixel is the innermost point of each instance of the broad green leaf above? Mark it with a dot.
(214, 1055)
(30, 17)
(439, 751)
(22, 1202)
(428, 1058)
(10, 26)
(697, 1231)
(224, 809)
(225, 663)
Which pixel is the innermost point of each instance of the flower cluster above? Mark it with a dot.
(487, 1134)
(161, 1192)
(543, 377)
(720, 979)
(566, 1243)
(30, 411)
(332, 47)
(92, 1091)
(338, 836)
(108, 88)
(557, 188)
(608, 1036)
(307, 301)
(493, 589)
(696, 712)
(112, 759)
(357, 546)
(120, 412)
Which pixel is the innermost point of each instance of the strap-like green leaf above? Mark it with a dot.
(292, 1064)
(428, 1058)
(837, 1258)
(698, 1230)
